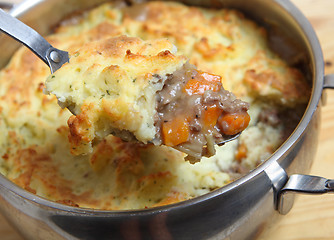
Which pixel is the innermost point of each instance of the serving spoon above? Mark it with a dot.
(16, 29)
(53, 57)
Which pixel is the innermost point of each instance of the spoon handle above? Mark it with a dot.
(16, 29)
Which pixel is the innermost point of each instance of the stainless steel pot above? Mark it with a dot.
(240, 210)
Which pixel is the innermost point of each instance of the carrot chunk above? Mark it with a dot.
(211, 115)
(202, 82)
(176, 131)
(241, 152)
(233, 123)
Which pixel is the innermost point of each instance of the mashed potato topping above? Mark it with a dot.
(143, 91)
(34, 148)
(111, 85)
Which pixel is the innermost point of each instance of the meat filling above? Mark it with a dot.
(195, 112)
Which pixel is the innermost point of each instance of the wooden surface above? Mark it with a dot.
(312, 217)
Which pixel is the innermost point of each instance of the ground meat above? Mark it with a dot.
(191, 106)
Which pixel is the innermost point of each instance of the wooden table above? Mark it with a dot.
(312, 217)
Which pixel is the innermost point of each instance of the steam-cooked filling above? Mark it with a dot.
(195, 112)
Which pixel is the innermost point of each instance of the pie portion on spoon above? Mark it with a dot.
(143, 91)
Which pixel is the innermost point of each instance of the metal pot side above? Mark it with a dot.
(240, 210)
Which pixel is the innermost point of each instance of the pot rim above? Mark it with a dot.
(317, 76)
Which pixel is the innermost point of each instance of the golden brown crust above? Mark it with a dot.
(222, 42)
(35, 170)
(268, 84)
(110, 85)
(276, 82)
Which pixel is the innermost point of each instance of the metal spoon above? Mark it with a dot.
(229, 138)
(16, 29)
(53, 57)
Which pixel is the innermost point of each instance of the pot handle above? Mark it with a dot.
(329, 81)
(285, 187)
(328, 84)
(299, 183)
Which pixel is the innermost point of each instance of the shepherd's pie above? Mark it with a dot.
(144, 91)
(35, 152)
